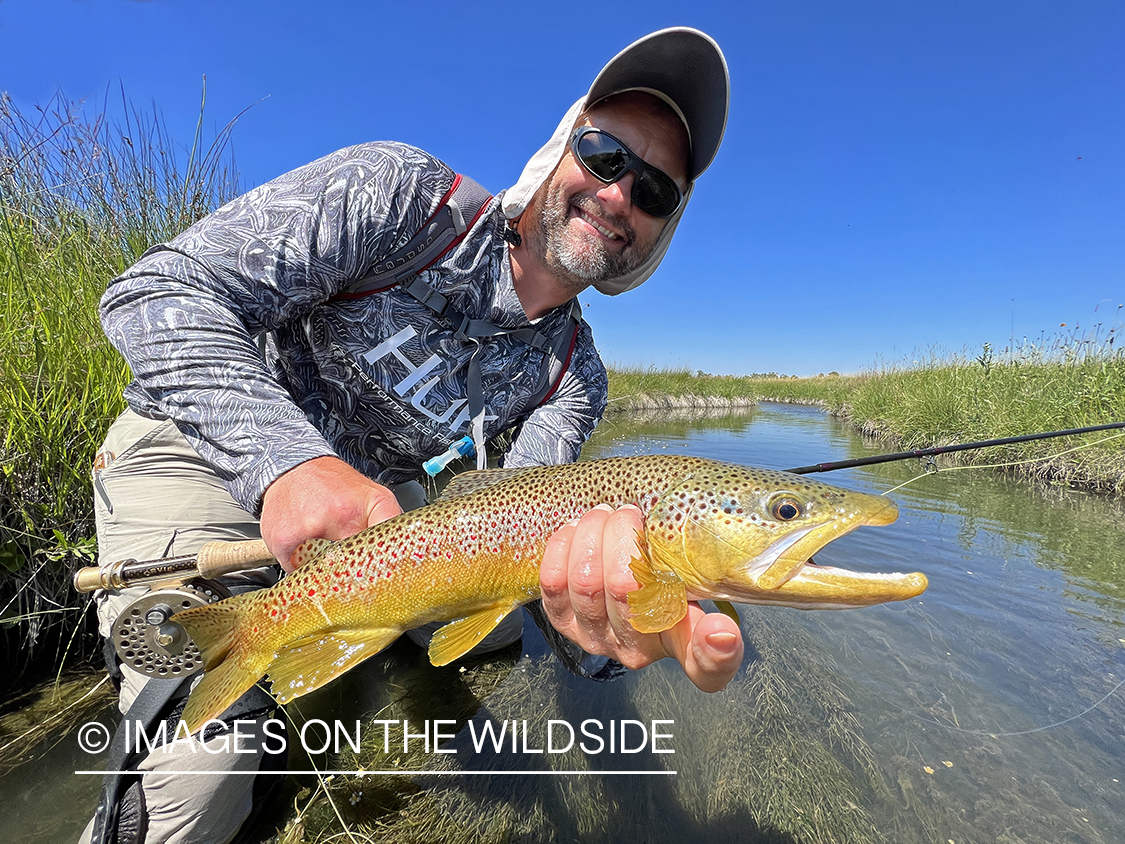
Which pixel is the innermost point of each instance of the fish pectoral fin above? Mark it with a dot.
(660, 602)
(727, 609)
(309, 663)
(457, 638)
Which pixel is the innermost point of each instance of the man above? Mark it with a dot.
(326, 433)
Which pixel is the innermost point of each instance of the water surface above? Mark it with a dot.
(988, 709)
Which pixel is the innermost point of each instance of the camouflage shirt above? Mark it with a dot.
(379, 381)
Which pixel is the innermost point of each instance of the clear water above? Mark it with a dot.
(1010, 666)
(989, 709)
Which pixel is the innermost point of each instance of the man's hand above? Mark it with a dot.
(585, 579)
(324, 498)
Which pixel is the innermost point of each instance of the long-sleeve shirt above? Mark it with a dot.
(379, 381)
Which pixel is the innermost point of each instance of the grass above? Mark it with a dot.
(1073, 380)
(81, 197)
(651, 388)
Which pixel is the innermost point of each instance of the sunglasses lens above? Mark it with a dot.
(656, 194)
(602, 156)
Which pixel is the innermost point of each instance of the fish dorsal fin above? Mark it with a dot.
(662, 599)
(459, 637)
(309, 663)
(309, 550)
(468, 482)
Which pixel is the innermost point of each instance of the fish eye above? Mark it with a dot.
(785, 509)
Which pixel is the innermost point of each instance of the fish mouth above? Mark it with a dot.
(789, 554)
(785, 574)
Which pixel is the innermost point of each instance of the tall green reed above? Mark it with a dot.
(82, 195)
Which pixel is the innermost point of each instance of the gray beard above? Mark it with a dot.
(582, 264)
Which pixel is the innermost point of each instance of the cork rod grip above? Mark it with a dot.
(218, 558)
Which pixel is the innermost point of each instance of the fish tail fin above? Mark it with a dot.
(213, 628)
(229, 669)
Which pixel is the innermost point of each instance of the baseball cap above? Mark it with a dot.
(686, 69)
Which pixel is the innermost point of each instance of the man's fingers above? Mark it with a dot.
(553, 577)
(322, 498)
(585, 572)
(620, 537)
(585, 581)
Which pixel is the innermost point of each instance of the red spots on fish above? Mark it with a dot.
(312, 592)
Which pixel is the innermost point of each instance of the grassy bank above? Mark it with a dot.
(80, 198)
(1074, 380)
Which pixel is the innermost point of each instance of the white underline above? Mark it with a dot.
(401, 772)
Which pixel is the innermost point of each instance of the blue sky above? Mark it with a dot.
(897, 177)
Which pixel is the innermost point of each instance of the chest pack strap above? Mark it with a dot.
(460, 207)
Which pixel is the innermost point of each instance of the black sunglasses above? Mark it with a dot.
(607, 159)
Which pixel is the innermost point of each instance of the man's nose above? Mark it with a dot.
(617, 196)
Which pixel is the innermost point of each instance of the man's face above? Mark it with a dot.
(586, 231)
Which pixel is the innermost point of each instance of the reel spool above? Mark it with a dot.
(147, 637)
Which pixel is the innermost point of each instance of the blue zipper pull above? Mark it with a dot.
(462, 448)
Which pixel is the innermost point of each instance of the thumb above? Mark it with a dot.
(382, 505)
(709, 646)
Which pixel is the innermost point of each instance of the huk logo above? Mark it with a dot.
(413, 388)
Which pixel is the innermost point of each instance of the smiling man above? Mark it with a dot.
(299, 354)
(582, 228)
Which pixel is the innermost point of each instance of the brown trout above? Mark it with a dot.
(711, 531)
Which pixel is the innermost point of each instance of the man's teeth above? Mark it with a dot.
(600, 228)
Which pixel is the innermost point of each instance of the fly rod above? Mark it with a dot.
(946, 449)
(212, 560)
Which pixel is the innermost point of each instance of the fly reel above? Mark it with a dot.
(147, 637)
